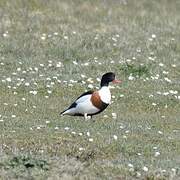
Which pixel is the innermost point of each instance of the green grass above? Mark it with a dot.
(59, 48)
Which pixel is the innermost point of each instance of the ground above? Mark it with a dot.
(52, 51)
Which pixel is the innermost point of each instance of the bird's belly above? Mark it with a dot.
(86, 107)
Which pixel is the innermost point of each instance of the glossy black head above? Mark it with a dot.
(107, 78)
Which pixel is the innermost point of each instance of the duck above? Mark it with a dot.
(92, 102)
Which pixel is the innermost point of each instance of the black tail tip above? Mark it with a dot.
(61, 113)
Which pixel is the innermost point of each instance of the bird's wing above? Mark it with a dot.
(84, 96)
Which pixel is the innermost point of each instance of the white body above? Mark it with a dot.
(85, 106)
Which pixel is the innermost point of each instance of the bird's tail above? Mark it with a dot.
(63, 113)
(67, 112)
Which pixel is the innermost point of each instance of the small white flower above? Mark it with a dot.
(90, 80)
(90, 86)
(36, 69)
(131, 78)
(165, 72)
(145, 168)
(98, 79)
(150, 39)
(81, 149)
(115, 137)
(27, 84)
(173, 92)
(66, 128)
(33, 92)
(160, 132)
(86, 64)
(5, 34)
(138, 174)
(173, 65)
(88, 133)
(166, 93)
(151, 58)
(153, 36)
(167, 79)
(157, 154)
(173, 170)
(49, 91)
(56, 128)
(55, 33)
(18, 69)
(83, 76)
(121, 127)
(114, 39)
(75, 62)
(155, 147)
(114, 115)
(90, 139)
(8, 79)
(130, 165)
(59, 64)
(43, 37)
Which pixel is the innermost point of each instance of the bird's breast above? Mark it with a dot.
(97, 101)
(105, 94)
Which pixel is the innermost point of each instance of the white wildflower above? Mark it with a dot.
(115, 137)
(157, 154)
(153, 36)
(90, 86)
(90, 139)
(114, 115)
(66, 128)
(8, 79)
(145, 168)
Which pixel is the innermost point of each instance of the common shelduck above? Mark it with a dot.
(94, 101)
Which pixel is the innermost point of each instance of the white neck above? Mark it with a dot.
(105, 94)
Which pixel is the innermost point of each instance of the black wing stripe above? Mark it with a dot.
(86, 93)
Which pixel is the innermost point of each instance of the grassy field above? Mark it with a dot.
(52, 51)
